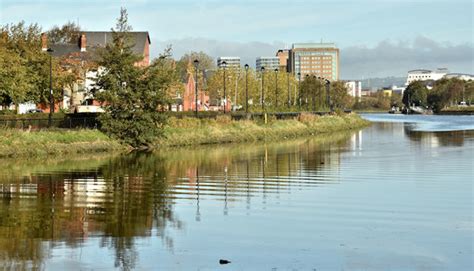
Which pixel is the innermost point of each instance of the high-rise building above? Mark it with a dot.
(232, 62)
(320, 59)
(270, 63)
(283, 56)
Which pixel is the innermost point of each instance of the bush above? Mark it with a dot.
(307, 117)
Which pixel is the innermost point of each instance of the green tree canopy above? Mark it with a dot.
(132, 95)
(67, 33)
(416, 93)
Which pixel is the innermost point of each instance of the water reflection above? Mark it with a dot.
(47, 205)
(355, 200)
(441, 138)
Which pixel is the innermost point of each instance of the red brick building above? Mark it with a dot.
(79, 58)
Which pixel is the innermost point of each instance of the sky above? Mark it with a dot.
(376, 38)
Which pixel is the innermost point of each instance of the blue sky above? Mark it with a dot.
(258, 27)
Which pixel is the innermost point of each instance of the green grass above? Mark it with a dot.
(190, 131)
(19, 143)
(179, 132)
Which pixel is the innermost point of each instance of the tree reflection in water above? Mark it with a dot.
(47, 204)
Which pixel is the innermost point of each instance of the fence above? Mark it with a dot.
(90, 121)
(41, 123)
(243, 115)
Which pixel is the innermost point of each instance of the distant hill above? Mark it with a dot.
(377, 83)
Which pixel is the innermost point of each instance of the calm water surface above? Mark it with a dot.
(395, 196)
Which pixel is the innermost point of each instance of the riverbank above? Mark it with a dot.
(191, 131)
(21, 143)
(178, 132)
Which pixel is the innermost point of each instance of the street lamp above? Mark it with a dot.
(51, 98)
(328, 93)
(314, 94)
(288, 82)
(263, 97)
(299, 90)
(196, 66)
(306, 98)
(276, 88)
(246, 88)
(224, 65)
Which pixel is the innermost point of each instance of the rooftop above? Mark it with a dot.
(313, 45)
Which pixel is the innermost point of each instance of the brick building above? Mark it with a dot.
(79, 58)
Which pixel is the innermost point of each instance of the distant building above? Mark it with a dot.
(398, 90)
(269, 63)
(283, 55)
(425, 75)
(460, 76)
(320, 59)
(83, 55)
(354, 88)
(365, 92)
(232, 62)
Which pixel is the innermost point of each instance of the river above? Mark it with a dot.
(395, 196)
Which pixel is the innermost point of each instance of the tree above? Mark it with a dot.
(132, 95)
(205, 63)
(415, 94)
(446, 92)
(313, 93)
(339, 96)
(67, 33)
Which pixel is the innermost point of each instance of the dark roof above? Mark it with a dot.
(62, 49)
(100, 39)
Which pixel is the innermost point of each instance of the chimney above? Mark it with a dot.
(44, 42)
(83, 43)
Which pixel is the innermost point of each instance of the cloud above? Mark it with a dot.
(387, 58)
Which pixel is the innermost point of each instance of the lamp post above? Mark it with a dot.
(276, 88)
(196, 66)
(51, 98)
(328, 93)
(314, 94)
(288, 82)
(299, 91)
(224, 65)
(306, 98)
(263, 85)
(246, 88)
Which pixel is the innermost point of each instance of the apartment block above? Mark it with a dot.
(320, 59)
(232, 62)
(269, 63)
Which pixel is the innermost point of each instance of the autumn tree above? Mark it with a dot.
(340, 97)
(24, 67)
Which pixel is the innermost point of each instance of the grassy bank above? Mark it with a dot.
(179, 132)
(190, 131)
(19, 143)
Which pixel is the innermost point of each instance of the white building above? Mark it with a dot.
(269, 63)
(460, 76)
(232, 62)
(424, 75)
(354, 88)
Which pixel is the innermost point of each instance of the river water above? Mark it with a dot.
(395, 196)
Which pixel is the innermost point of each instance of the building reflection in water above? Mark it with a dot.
(120, 199)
